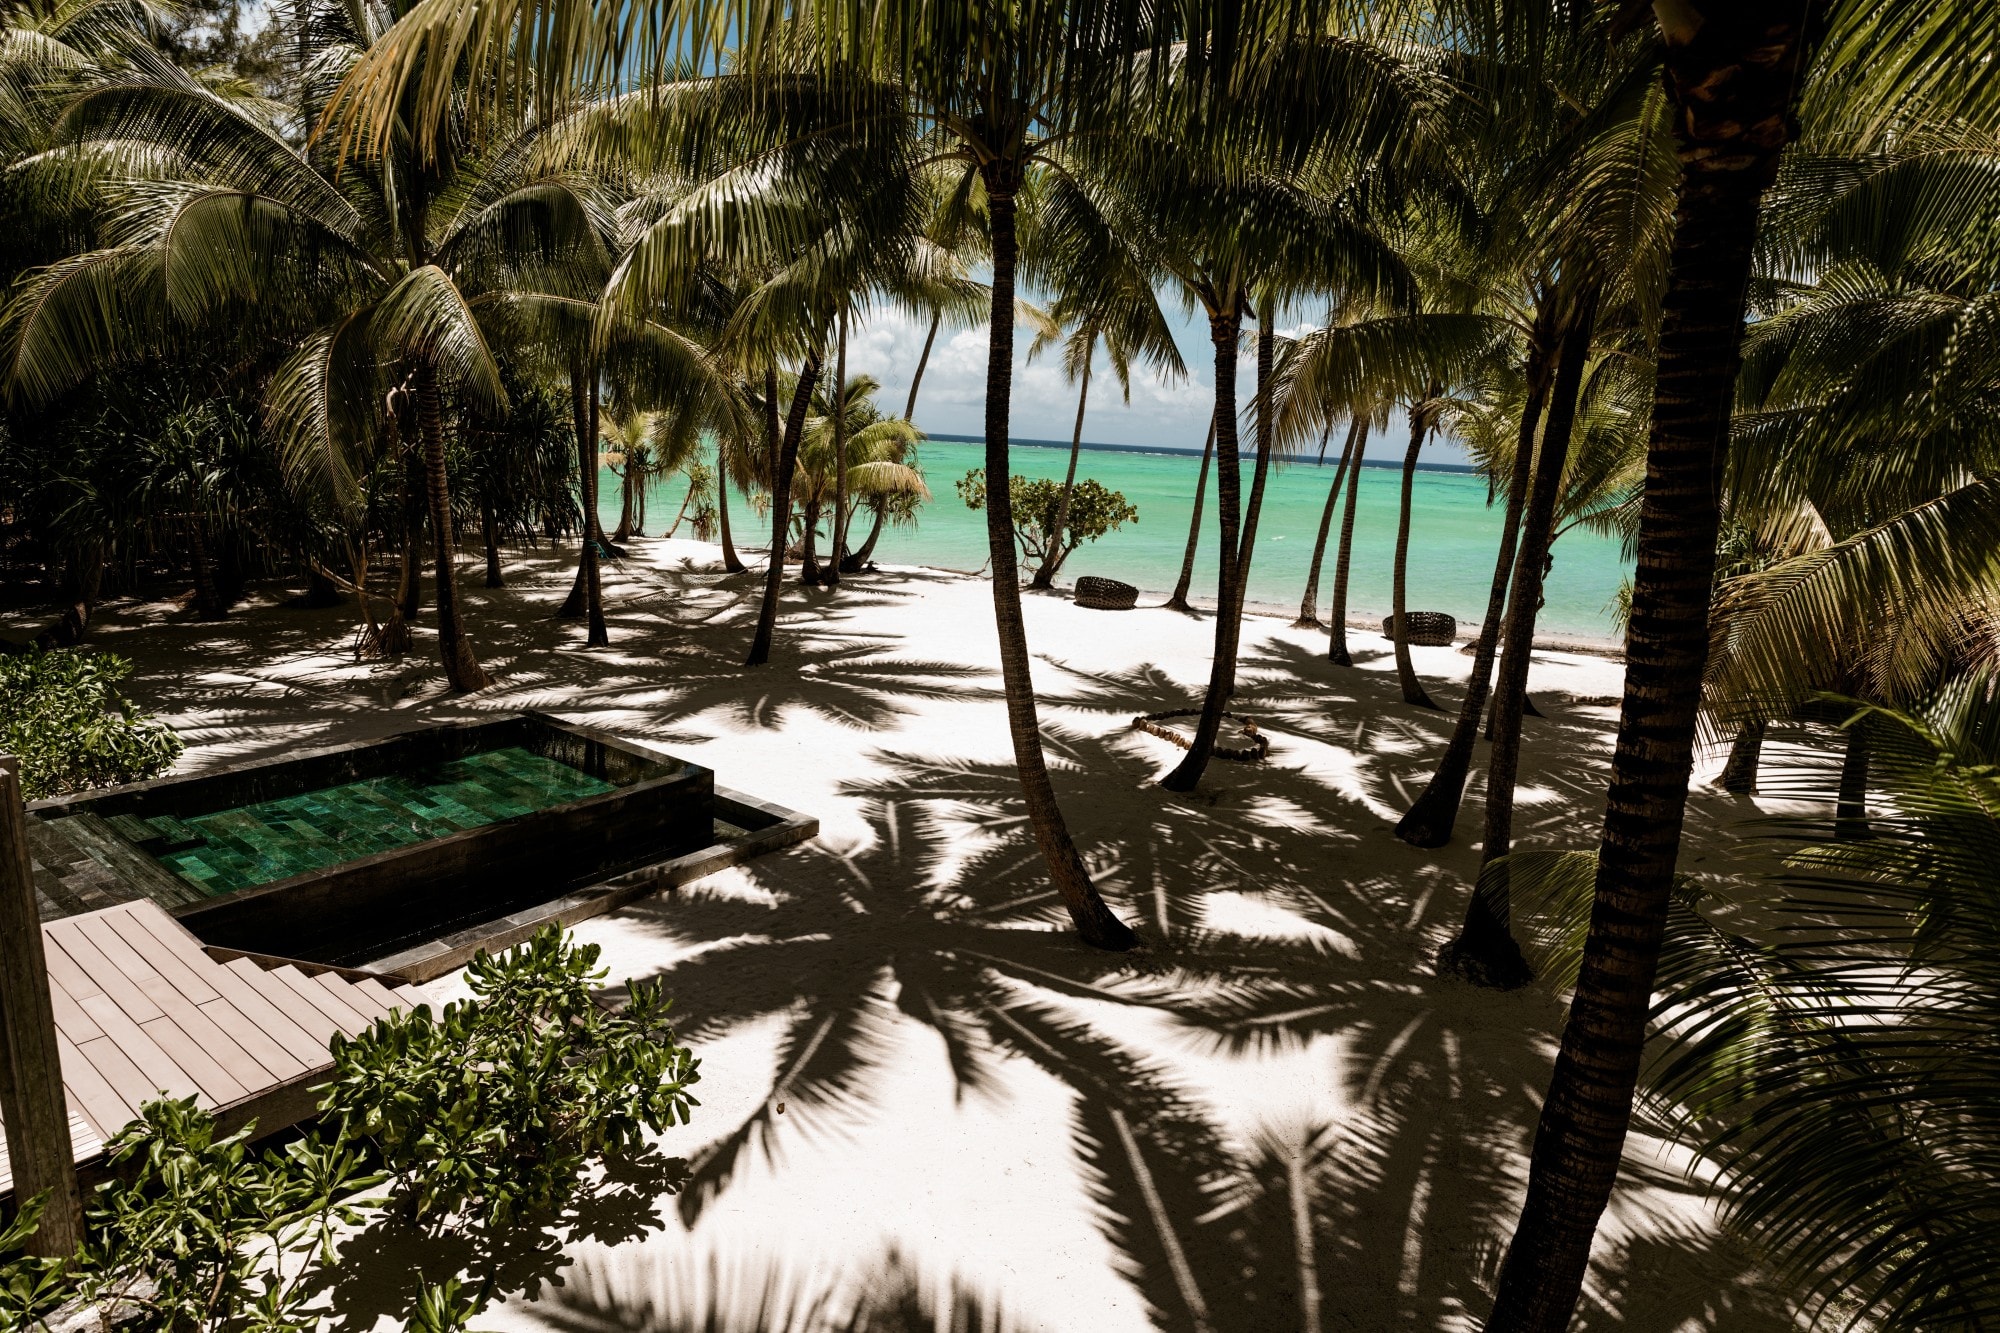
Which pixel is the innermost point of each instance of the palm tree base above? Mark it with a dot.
(1491, 960)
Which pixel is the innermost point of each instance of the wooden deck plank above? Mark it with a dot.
(247, 1031)
(137, 967)
(99, 972)
(89, 1092)
(170, 963)
(71, 1020)
(84, 1144)
(322, 999)
(241, 1065)
(135, 867)
(64, 971)
(318, 1027)
(120, 1074)
(377, 992)
(166, 1074)
(218, 1086)
(273, 1016)
(354, 998)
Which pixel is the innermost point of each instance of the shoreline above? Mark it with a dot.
(1467, 629)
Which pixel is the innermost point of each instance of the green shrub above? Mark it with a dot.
(1094, 510)
(61, 712)
(481, 1121)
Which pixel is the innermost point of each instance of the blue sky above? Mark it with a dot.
(1161, 412)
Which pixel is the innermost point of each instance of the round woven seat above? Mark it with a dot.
(1105, 594)
(1427, 629)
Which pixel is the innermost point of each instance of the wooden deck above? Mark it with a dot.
(143, 1010)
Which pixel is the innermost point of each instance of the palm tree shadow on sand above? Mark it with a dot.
(1269, 932)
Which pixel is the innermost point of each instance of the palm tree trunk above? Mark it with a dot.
(784, 460)
(1224, 331)
(1246, 547)
(1095, 922)
(489, 536)
(410, 585)
(586, 593)
(207, 601)
(1045, 574)
(1431, 818)
(1179, 601)
(1406, 671)
(1850, 814)
(1485, 951)
(1309, 602)
(837, 529)
(859, 560)
(730, 563)
(910, 407)
(1336, 644)
(1732, 72)
(461, 664)
(625, 488)
(809, 569)
(1739, 775)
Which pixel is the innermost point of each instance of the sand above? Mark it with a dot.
(921, 1100)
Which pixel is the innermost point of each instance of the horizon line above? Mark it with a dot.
(1101, 447)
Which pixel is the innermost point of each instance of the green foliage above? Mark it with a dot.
(1093, 511)
(478, 1121)
(491, 1109)
(61, 712)
(31, 1288)
(1833, 1051)
(196, 1232)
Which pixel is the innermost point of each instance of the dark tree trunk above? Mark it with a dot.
(809, 569)
(1732, 74)
(910, 407)
(1179, 601)
(207, 600)
(1434, 814)
(1485, 951)
(81, 580)
(489, 534)
(410, 585)
(859, 560)
(1850, 813)
(837, 533)
(586, 594)
(1336, 644)
(1309, 602)
(731, 564)
(1224, 331)
(461, 665)
(1739, 775)
(1045, 574)
(1406, 671)
(784, 461)
(1095, 921)
(625, 487)
(321, 590)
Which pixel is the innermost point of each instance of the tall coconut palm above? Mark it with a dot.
(372, 269)
(1732, 76)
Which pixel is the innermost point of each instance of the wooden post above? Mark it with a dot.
(31, 1086)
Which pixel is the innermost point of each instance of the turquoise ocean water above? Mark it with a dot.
(1452, 536)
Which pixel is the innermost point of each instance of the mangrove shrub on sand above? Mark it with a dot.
(475, 1122)
(1039, 514)
(61, 712)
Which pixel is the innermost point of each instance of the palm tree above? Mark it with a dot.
(1179, 600)
(1309, 599)
(849, 449)
(373, 271)
(1732, 75)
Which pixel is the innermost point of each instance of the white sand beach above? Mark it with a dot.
(918, 1091)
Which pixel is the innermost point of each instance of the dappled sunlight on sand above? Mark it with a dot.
(923, 1104)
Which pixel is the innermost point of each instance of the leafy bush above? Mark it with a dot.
(492, 1108)
(61, 712)
(476, 1121)
(1093, 511)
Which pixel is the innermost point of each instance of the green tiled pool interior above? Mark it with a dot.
(274, 840)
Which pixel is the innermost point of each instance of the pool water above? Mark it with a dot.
(274, 840)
